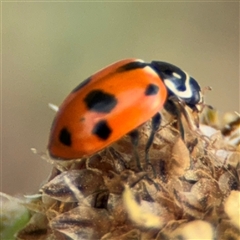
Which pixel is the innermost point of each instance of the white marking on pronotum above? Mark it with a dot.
(53, 107)
(176, 75)
(149, 70)
(181, 94)
(139, 60)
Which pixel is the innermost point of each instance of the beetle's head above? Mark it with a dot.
(179, 83)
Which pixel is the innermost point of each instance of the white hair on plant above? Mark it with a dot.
(53, 107)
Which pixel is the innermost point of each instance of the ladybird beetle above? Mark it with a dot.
(114, 102)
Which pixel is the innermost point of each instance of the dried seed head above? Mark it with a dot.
(182, 195)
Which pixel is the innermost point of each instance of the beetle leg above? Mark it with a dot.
(156, 121)
(172, 108)
(135, 139)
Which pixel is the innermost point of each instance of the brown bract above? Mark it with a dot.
(191, 195)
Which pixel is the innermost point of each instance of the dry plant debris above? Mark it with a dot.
(194, 193)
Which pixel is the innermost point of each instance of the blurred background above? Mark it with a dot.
(49, 47)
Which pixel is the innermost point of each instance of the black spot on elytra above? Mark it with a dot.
(102, 130)
(151, 89)
(82, 119)
(132, 66)
(81, 85)
(65, 137)
(100, 101)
